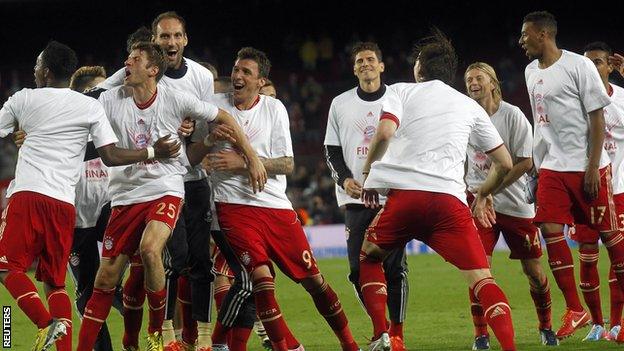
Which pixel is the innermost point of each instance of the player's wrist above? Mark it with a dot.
(151, 153)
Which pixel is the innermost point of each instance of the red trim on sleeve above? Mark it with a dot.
(390, 116)
(487, 152)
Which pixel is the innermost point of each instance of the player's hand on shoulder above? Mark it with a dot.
(18, 138)
(166, 147)
(352, 187)
(187, 127)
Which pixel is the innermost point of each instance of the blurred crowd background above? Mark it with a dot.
(309, 49)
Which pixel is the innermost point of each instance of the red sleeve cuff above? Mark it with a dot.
(390, 116)
(487, 152)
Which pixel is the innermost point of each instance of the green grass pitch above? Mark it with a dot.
(438, 316)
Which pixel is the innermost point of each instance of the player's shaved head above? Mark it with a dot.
(167, 15)
(543, 20)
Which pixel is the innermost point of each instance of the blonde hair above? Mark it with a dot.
(489, 70)
(83, 76)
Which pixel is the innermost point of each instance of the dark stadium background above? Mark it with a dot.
(291, 32)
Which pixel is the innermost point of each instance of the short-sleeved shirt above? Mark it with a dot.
(58, 122)
(139, 128)
(517, 134)
(191, 78)
(561, 96)
(428, 150)
(351, 124)
(614, 136)
(266, 126)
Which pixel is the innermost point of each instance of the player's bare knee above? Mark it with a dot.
(260, 272)
(473, 276)
(313, 283)
(532, 268)
(107, 277)
(372, 252)
(551, 228)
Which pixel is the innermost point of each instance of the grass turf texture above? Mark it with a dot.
(438, 316)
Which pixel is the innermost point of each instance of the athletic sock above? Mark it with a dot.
(478, 318)
(497, 311)
(374, 292)
(61, 308)
(25, 293)
(97, 310)
(590, 283)
(189, 325)
(268, 310)
(615, 246)
(542, 301)
(204, 334)
(239, 339)
(328, 305)
(156, 302)
(219, 294)
(168, 334)
(396, 329)
(133, 299)
(562, 267)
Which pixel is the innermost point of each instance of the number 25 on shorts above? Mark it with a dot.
(171, 209)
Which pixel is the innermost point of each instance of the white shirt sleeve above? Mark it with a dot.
(209, 87)
(332, 136)
(484, 135)
(9, 112)
(100, 128)
(591, 90)
(521, 144)
(196, 109)
(114, 81)
(392, 103)
(281, 143)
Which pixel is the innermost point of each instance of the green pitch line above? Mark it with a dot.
(438, 316)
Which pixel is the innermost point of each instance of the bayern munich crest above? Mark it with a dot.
(74, 260)
(108, 243)
(369, 132)
(245, 258)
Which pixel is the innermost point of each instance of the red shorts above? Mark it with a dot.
(259, 235)
(583, 234)
(37, 226)
(126, 224)
(561, 199)
(520, 234)
(219, 264)
(440, 220)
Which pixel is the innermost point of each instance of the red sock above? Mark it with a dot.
(25, 293)
(189, 325)
(239, 339)
(133, 298)
(268, 309)
(374, 292)
(156, 303)
(543, 303)
(590, 283)
(220, 334)
(478, 319)
(328, 305)
(219, 295)
(615, 246)
(97, 310)
(396, 329)
(617, 300)
(497, 312)
(61, 309)
(562, 267)
(291, 341)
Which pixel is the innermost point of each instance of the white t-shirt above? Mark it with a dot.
(197, 81)
(561, 96)
(57, 122)
(428, 150)
(516, 132)
(351, 124)
(139, 128)
(266, 126)
(91, 193)
(614, 136)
